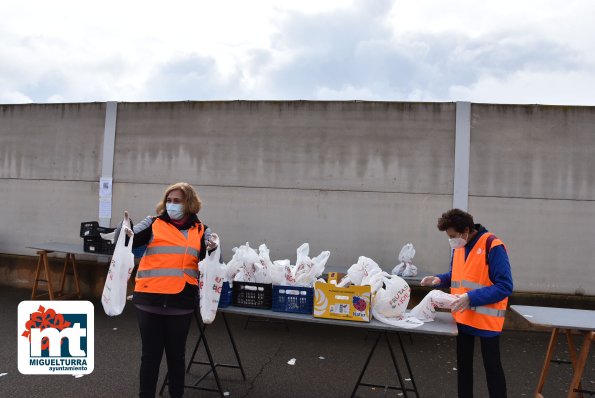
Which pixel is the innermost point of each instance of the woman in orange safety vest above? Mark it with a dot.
(166, 289)
(481, 279)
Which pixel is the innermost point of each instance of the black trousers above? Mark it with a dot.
(490, 352)
(159, 333)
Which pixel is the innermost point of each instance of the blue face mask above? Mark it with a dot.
(175, 211)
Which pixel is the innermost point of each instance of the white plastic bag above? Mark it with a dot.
(306, 270)
(425, 310)
(233, 266)
(210, 284)
(278, 273)
(264, 266)
(390, 303)
(406, 267)
(248, 262)
(113, 298)
(364, 269)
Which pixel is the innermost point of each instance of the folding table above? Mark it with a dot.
(568, 320)
(443, 325)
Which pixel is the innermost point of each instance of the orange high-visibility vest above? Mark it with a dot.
(171, 259)
(472, 274)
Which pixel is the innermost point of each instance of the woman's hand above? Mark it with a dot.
(461, 304)
(213, 242)
(128, 231)
(430, 281)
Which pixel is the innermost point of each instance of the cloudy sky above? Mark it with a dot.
(522, 51)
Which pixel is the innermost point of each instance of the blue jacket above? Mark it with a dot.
(500, 275)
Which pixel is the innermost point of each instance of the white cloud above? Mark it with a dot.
(547, 88)
(13, 97)
(345, 93)
(308, 49)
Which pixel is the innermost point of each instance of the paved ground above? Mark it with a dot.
(328, 361)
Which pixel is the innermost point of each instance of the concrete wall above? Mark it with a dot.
(532, 181)
(50, 157)
(355, 178)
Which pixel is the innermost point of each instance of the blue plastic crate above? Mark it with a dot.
(296, 299)
(226, 295)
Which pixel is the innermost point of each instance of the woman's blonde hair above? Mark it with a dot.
(192, 202)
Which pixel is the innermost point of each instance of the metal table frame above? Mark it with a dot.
(443, 325)
(568, 320)
(211, 362)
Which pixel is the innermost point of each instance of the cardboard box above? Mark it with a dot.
(344, 303)
(335, 276)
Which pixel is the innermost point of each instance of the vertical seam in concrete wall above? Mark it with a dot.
(460, 197)
(107, 160)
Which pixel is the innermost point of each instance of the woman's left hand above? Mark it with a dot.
(461, 303)
(213, 242)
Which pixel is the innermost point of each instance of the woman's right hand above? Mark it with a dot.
(430, 281)
(128, 231)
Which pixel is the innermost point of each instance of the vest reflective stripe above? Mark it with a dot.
(150, 273)
(489, 311)
(192, 272)
(171, 250)
(473, 273)
(467, 284)
(170, 260)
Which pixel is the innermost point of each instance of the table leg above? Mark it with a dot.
(408, 365)
(361, 375)
(572, 353)
(589, 337)
(37, 272)
(235, 350)
(48, 275)
(76, 275)
(69, 260)
(546, 362)
(395, 364)
(63, 277)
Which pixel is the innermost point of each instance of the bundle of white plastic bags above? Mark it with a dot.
(307, 269)
(365, 272)
(406, 268)
(391, 295)
(390, 303)
(247, 265)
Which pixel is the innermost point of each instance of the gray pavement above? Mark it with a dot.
(328, 360)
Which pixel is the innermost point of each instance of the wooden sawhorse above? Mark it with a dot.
(43, 262)
(578, 364)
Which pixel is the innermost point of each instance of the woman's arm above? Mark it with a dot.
(143, 232)
(501, 277)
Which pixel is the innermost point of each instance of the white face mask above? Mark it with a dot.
(457, 243)
(175, 211)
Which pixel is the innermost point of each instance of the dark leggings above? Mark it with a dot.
(490, 352)
(158, 333)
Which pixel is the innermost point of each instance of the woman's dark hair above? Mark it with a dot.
(456, 219)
